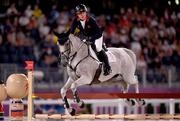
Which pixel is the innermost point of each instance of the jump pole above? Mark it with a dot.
(108, 116)
(30, 69)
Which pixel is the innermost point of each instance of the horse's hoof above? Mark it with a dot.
(141, 102)
(72, 112)
(130, 102)
(81, 104)
(133, 102)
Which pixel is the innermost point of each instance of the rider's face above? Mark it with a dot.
(82, 15)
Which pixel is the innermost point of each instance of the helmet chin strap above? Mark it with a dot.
(82, 20)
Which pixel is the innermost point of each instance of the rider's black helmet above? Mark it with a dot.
(80, 8)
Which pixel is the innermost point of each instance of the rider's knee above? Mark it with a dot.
(98, 48)
(98, 44)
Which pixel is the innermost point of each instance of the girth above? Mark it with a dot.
(97, 74)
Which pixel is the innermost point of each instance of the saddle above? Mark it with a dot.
(97, 74)
(111, 58)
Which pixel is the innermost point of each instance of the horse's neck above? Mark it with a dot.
(81, 51)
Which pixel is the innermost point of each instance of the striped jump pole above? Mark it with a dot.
(107, 116)
(30, 69)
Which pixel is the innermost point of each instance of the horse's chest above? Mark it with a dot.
(74, 63)
(72, 73)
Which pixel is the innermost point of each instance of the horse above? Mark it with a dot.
(82, 65)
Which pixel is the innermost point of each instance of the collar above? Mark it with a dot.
(87, 18)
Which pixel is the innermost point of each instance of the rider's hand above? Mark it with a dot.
(87, 38)
(87, 42)
(84, 37)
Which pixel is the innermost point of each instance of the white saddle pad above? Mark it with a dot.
(111, 57)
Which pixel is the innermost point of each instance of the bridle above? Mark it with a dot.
(68, 51)
(69, 58)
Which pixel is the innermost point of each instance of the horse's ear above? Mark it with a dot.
(62, 35)
(57, 34)
(62, 38)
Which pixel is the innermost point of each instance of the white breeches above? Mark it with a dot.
(98, 43)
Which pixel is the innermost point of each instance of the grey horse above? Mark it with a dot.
(82, 65)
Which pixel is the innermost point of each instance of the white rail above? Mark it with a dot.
(100, 106)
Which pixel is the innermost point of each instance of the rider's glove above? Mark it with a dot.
(87, 38)
(87, 42)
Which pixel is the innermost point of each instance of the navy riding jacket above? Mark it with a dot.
(91, 29)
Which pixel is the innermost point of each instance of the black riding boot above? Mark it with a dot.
(104, 47)
(103, 58)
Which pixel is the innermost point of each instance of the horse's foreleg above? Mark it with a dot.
(81, 81)
(78, 100)
(64, 90)
(125, 90)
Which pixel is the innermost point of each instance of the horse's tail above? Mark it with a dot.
(131, 54)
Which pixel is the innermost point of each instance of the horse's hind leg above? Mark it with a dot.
(136, 85)
(125, 87)
(139, 101)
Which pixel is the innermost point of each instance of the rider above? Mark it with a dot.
(87, 26)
